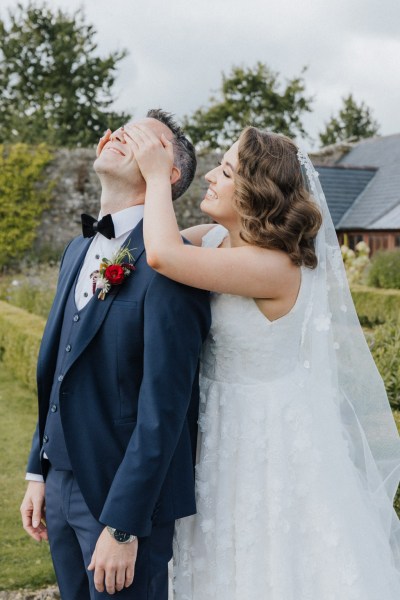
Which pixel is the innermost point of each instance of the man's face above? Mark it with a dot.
(115, 155)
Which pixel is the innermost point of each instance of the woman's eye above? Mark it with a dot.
(224, 172)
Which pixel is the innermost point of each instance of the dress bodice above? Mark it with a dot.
(243, 345)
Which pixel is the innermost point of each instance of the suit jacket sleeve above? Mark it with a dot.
(176, 322)
(34, 465)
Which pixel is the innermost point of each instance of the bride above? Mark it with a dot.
(299, 456)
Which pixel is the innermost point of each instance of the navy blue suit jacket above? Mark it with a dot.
(129, 401)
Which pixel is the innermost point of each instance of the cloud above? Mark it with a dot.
(178, 49)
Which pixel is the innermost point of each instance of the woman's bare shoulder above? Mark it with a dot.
(195, 234)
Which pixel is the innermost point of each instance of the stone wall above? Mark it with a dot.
(77, 190)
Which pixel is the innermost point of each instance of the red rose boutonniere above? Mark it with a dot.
(114, 271)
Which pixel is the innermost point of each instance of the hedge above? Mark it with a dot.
(384, 271)
(376, 306)
(24, 194)
(384, 343)
(20, 336)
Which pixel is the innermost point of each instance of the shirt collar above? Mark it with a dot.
(125, 220)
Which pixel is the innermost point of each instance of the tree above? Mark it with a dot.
(250, 96)
(354, 122)
(55, 88)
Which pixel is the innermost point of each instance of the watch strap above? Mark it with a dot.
(121, 536)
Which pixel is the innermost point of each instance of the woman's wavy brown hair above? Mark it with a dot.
(275, 208)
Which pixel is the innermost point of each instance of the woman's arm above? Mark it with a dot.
(247, 270)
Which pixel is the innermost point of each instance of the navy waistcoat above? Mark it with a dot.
(54, 445)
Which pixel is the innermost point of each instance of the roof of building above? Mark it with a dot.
(381, 196)
(374, 152)
(389, 221)
(342, 186)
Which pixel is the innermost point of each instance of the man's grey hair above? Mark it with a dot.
(184, 152)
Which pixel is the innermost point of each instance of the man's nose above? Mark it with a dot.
(118, 136)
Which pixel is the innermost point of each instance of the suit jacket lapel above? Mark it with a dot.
(135, 241)
(98, 309)
(51, 335)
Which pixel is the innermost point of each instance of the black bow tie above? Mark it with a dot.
(90, 226)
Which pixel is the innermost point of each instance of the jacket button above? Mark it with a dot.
(60, 377)
(68, 348)
(76, 318)
(53, 408)
(45, 439)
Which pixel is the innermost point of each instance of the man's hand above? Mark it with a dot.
(33, 511)
(113, 563)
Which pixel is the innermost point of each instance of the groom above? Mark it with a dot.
(111, 465)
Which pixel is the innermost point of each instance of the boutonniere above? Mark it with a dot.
(114, 271)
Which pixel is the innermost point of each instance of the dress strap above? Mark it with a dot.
(214, 237)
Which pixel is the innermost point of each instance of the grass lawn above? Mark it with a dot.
(23, 562)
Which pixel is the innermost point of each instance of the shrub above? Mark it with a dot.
(20, 336)
(385, 270)
(23, 197)
(356, 262)
(375, 306)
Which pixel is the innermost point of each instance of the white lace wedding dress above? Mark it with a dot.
(282, 514)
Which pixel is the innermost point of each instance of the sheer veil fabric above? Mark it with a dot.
(298, 454)
(334, 345)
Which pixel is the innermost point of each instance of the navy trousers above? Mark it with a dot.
(73, 533)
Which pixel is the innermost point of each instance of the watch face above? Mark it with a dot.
(121, 536)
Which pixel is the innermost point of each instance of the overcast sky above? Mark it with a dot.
(178, 49)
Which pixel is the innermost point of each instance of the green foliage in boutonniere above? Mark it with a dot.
(114, 271)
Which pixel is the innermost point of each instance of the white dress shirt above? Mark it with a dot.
(101, 247)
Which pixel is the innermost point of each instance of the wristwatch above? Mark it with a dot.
(121, 536)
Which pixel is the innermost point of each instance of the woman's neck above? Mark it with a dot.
(234, 238)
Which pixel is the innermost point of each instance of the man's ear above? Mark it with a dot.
(175, 174)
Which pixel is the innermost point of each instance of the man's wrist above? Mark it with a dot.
(121, 536)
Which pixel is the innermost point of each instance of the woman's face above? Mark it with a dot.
(218, 201)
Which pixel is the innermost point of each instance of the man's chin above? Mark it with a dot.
(103, 166)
